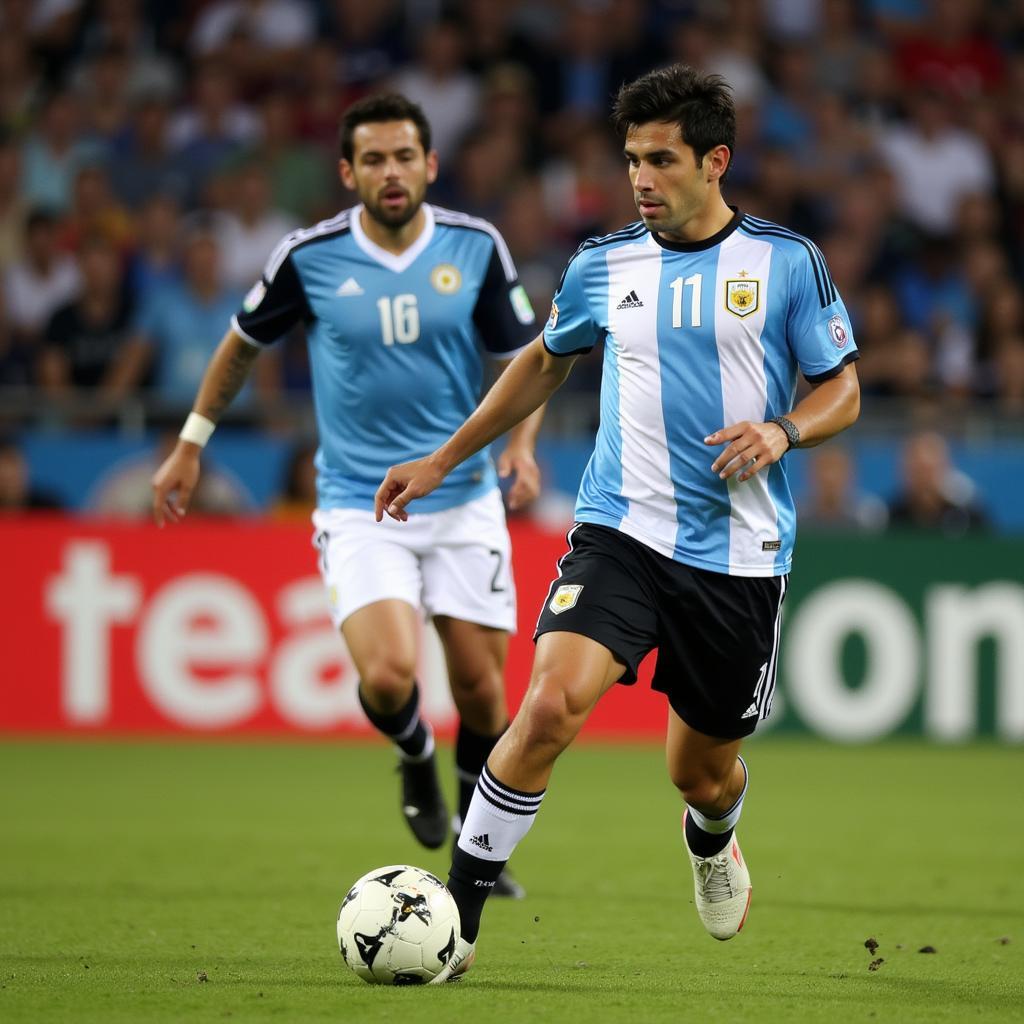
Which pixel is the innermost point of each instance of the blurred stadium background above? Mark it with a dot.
(151, 155)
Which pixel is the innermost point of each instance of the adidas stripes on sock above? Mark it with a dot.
(471, 752)
(497, 820)
(707, 836)
(404, 727)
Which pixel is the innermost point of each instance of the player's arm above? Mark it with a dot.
(175, 481)
(517, 460)
(830, 407)
(528, 382)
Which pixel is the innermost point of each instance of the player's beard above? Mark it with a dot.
(394, 219)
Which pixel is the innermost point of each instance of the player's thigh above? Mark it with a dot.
(362, 562)
(718, 649)
(382, 639)
(467, 571)
(473, 652)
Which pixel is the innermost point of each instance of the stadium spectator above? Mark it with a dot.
(95, 211)
(13, 206)
(142, 163)
(205, 136)
(935, 496)
(53, 153)
(84, 338)
(935, 163)
(258, 39)
(154, 262)
(832, 500)
(43, 280)
(438, 82)
(179, 325)
(16, 491)
(301, 181)
(249, 231)
(20, 83)
(298, 496)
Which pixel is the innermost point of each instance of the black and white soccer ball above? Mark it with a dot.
(398, 925)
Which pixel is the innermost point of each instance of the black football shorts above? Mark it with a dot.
(717, 636)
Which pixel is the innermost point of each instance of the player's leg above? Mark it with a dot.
(570, 672)
(382, 641)
(373, 584)
(475, 656)
(468, 589)
(712, 778)
(717, 660)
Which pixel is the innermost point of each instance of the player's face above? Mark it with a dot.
(671, 187)
(389, 170)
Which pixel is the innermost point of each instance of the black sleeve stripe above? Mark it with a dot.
(637, 230)
(817, 378)
(827, 293)
(564, 355)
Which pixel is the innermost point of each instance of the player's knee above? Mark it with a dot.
(698, 788)
(386, 682)
(549, 720)
(481, 690)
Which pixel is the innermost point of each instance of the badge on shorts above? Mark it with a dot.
(565, 598)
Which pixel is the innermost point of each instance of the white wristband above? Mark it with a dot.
(198, 429)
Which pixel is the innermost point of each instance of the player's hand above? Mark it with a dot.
(752, 446)
(174, 483)
(405, 483)
(520, 464)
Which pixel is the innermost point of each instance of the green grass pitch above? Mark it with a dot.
(129, 872)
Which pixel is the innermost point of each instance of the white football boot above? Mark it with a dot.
(458, 963)
(721, 889)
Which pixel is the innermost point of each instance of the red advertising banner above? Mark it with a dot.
(216, 628)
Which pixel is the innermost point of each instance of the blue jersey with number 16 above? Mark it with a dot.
(394, 343)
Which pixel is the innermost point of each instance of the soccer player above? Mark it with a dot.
(398, 297)
(685, 522)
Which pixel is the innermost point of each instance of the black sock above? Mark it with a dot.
(470, 882)
(705, 844)
(471, 752)
(404, 727)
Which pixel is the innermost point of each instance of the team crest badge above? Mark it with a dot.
(446, 278)
(565, 598)
(837, 332)
(553, 318)
(742, 297)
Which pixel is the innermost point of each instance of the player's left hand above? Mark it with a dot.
(520, 464)
(752, 447)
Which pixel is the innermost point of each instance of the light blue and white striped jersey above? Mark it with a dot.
(394, 343)
(697, 337)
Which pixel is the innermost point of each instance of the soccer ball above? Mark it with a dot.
(398, 925)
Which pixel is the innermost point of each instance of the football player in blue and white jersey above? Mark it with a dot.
(398, 298)
(685, 521)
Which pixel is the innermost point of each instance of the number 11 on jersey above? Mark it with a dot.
(677, 287)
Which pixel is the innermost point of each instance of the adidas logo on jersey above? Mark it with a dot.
(350, 287)
(750, 712)
(484, 842)
(631, 301)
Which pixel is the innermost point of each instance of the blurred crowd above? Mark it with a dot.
(153, 153)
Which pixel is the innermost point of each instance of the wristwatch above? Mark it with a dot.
(791, 430)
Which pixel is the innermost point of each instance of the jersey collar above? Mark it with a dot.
(705, 243)
(392, 261)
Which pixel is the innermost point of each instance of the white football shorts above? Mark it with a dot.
(455, 562)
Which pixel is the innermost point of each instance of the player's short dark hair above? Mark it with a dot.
(391, 106)
(700, 104)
